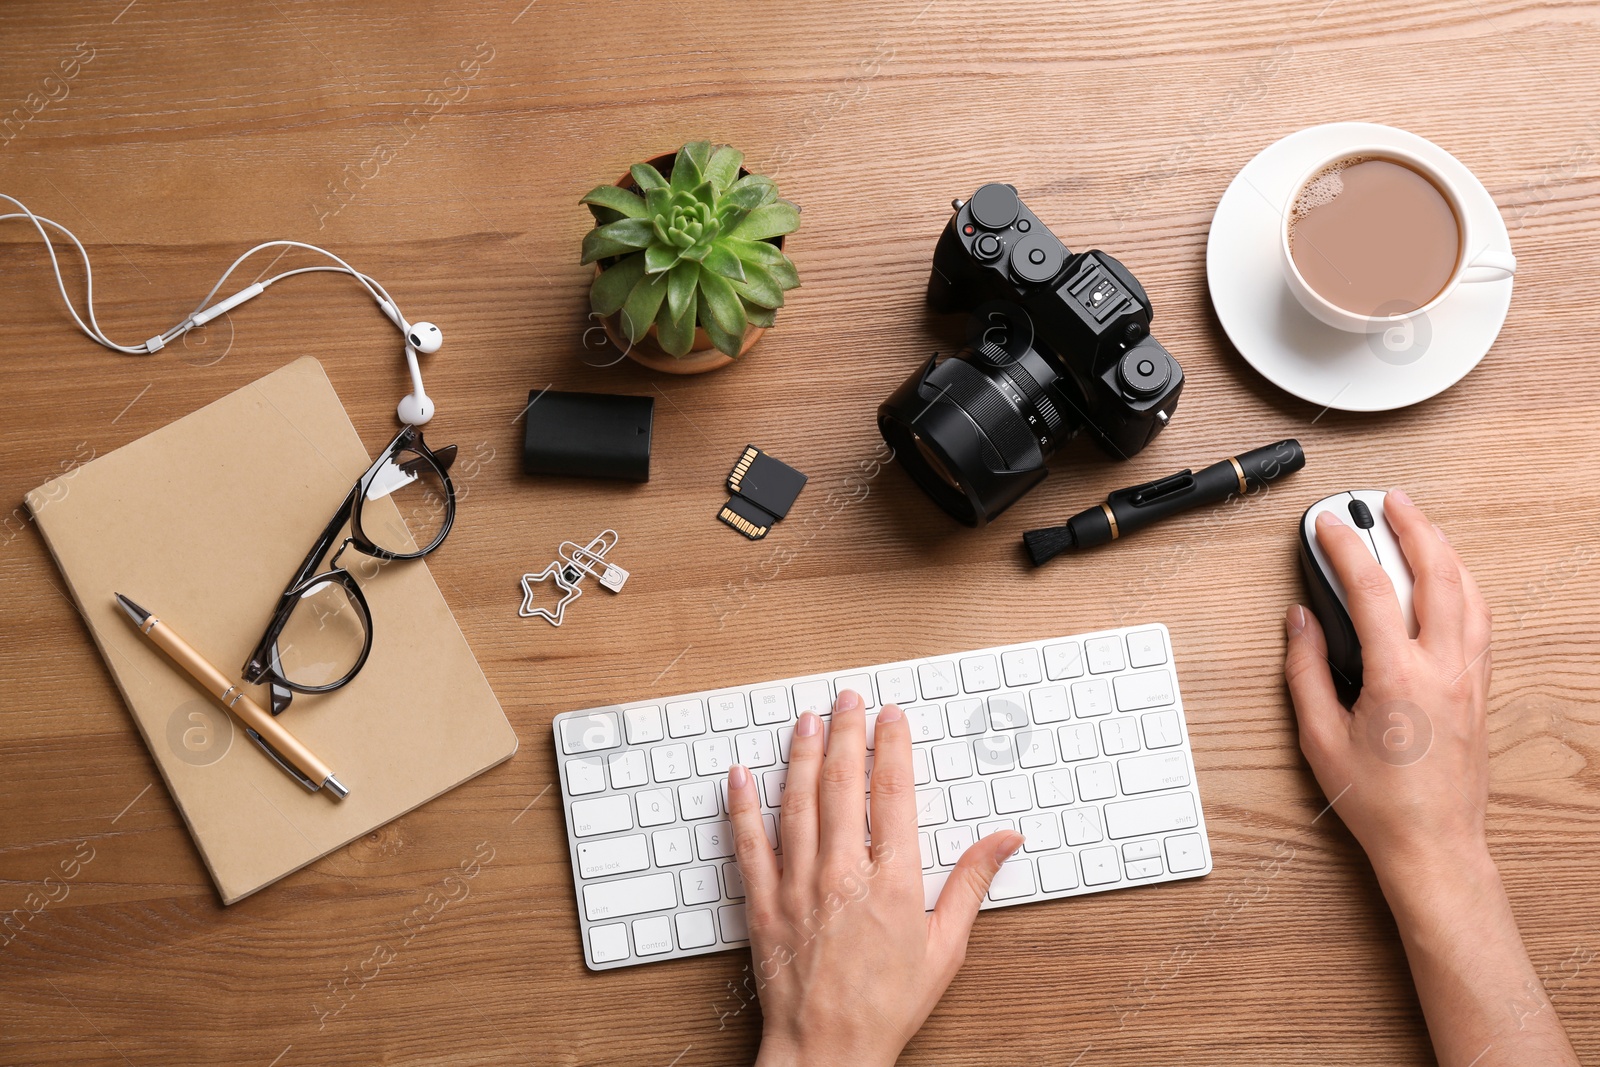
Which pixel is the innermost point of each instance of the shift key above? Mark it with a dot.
(629, 896)
(1150, 815)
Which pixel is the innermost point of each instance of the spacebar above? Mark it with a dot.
(1151, 815)
(630, 896)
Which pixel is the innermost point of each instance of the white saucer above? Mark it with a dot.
(1333, 368)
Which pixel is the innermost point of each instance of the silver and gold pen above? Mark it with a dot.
(282, 747)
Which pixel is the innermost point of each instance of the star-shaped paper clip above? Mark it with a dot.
(557, 572)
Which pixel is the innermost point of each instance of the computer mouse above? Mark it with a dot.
(1361, 509)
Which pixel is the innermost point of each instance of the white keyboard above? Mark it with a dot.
(1078, 742)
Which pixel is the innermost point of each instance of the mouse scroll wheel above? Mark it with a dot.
(1362, 514)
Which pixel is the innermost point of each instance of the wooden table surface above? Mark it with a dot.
(443, 148)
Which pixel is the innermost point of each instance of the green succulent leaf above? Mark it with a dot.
(722, 304)
(758, 315)
(724, 262)
(770, 220)
(682, 281)
(727, 341)
(661, 256)
(642, 304)
(723, 168)
(611, 288)
(688, 170)
(784, 273)
(615, 238)
(676, 336)
(647, 177)
(754, 251)
(628, 205)
(757, 187)
(760, 287)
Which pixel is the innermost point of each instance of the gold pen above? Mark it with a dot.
(279, 744)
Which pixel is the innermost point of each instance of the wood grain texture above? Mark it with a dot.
(198, 129)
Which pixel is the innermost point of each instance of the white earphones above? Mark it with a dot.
(415, 409)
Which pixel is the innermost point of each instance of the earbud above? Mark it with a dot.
(425, 337)
(416, 408)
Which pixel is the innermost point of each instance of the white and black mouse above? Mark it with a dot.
(1363, 510)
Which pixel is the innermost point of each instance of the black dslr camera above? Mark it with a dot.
(1059, 342)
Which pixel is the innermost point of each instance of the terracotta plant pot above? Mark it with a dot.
(702, 355)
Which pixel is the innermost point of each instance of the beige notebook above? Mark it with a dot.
(203, 523)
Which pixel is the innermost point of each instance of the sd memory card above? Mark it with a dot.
(764, 489)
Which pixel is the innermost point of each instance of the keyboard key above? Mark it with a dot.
(615, 855)
(1140, 850)
(1006, 712)
(1021, 667)
(698, 800)
(1119, 736)
(1146, 774)
(699, 885)
(952, 761)
(602, 815)
(1149, 868)
(1057, 872)
(970, 800)
(695, 929)
(926, 848)
(1150, 815)
(1050, 704)
(628, 896)
(1063, 661)
(714, 841)
(728, 712)
(685, 718)
(926, 722)
(813, 696)
(655, 807)
(756, 749)
(672, 846)
(770, 705)
(994, 753)
(590, 733)
(897, 685)
(730, 917)
(1135, 692)
(1035, 748)
(733, 879)
(712, 755)
(1099, 865)
(587, 775)
(670, 762)
(628, 769)
(1146, 648)
(1185, 853)
(920, 772)
(652, 936)
(1014, 879)
(769, 823)
(1040, 833)
(931, 810)
(861, 683)
(1091, 698)
(644, 725)
(938, 680)
(1104, 654)
(772, 785)
(994, 826)
(1011, 794)
(966, 717)
(952, 842)
(1096, 782)
(979, 674)
(1082, 825)
(1161, 729)
(932, 886)
(1054, 787)
(608, 943)
(1077, 742)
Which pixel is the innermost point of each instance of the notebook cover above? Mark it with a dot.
(202, 523)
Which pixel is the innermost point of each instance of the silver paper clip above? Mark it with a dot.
(594, 563)
(568, 570)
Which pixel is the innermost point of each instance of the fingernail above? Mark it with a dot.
(1295, 619)
(890, 713)
(1329, 518)
(808, 724)
(1440, 531)
(1400, 495)
(848, 701)
(738, 777)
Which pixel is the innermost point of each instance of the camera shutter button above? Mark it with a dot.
(987, 247)
(1143, 373)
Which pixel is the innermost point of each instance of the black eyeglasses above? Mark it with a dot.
(321, 632)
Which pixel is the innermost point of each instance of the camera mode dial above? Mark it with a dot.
(1144, 373)
(995, 206)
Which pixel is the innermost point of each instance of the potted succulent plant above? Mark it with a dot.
(689, 262)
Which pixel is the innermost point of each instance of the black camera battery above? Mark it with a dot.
(588, 435)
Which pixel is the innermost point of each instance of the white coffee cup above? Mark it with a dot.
(1482, 266)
